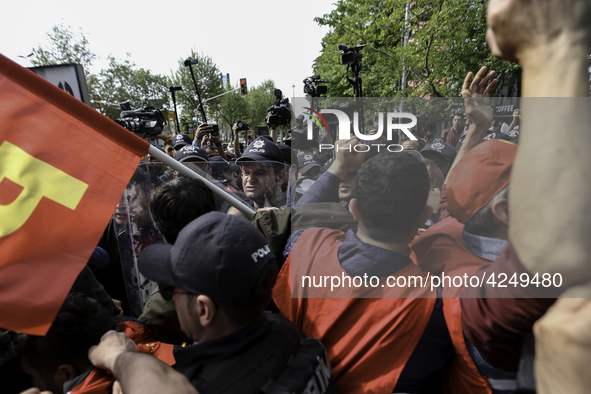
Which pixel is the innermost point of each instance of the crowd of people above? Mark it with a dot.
(186, 293)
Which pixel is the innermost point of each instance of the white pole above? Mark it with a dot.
(180, 167)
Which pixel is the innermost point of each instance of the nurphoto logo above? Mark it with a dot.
(365, 139)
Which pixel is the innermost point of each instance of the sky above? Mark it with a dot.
(256, 40)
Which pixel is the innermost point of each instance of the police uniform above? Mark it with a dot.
(270, 355)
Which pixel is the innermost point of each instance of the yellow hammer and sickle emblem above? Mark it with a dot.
(39, 180)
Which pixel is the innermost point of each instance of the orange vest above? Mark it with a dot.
(368, 340)
(100, 381)
(440, 249)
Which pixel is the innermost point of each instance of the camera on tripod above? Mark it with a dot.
(148, 120)
(351, 55)
(279, 114)
(312, 87)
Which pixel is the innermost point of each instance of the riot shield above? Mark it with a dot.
(135, 231)
(134, 227)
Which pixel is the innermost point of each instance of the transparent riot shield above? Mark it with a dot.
(135, 231)
(134, 227)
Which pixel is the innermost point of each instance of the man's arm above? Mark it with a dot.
(551, 182)
(563, 345)
(205, 137)
(476, 92)
(516, 117)
(327, 185)
(221, 151)
(202, 130)
(236, 141)
(136, 372)
(274, 134)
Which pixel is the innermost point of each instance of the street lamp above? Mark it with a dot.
(26, 57)
(188, 62)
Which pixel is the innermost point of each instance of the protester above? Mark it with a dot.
(336, 184)
(349, 325)
(10, 365)
(476, 193)
(452, 135)
(503, 210)
(59, 361)
(515, 122)
(174, 205)
(417, 145)
(440, 153)
(563, 344)
(495, 327)
(545, 239)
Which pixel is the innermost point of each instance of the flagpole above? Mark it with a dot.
(180, 167)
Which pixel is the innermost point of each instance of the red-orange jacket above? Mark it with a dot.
(368, 340)
(440, 249)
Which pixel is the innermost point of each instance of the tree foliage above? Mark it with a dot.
(123, 81)
(259, 100)
(233, 107)
(209, 83)
(65, 46)
(251, 108)
(446, 40)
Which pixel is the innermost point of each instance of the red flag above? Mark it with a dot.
(63, 168)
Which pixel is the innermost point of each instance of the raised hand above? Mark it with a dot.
(476, 92)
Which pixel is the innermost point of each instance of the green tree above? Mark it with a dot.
(65, 46)
(233, 107)
(207, 75)
(123, 81)
(251, 109)
(446, 40)
(259, 100)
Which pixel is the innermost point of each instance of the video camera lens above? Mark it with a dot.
(148, 120)
(241, 126)
(130, 125)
